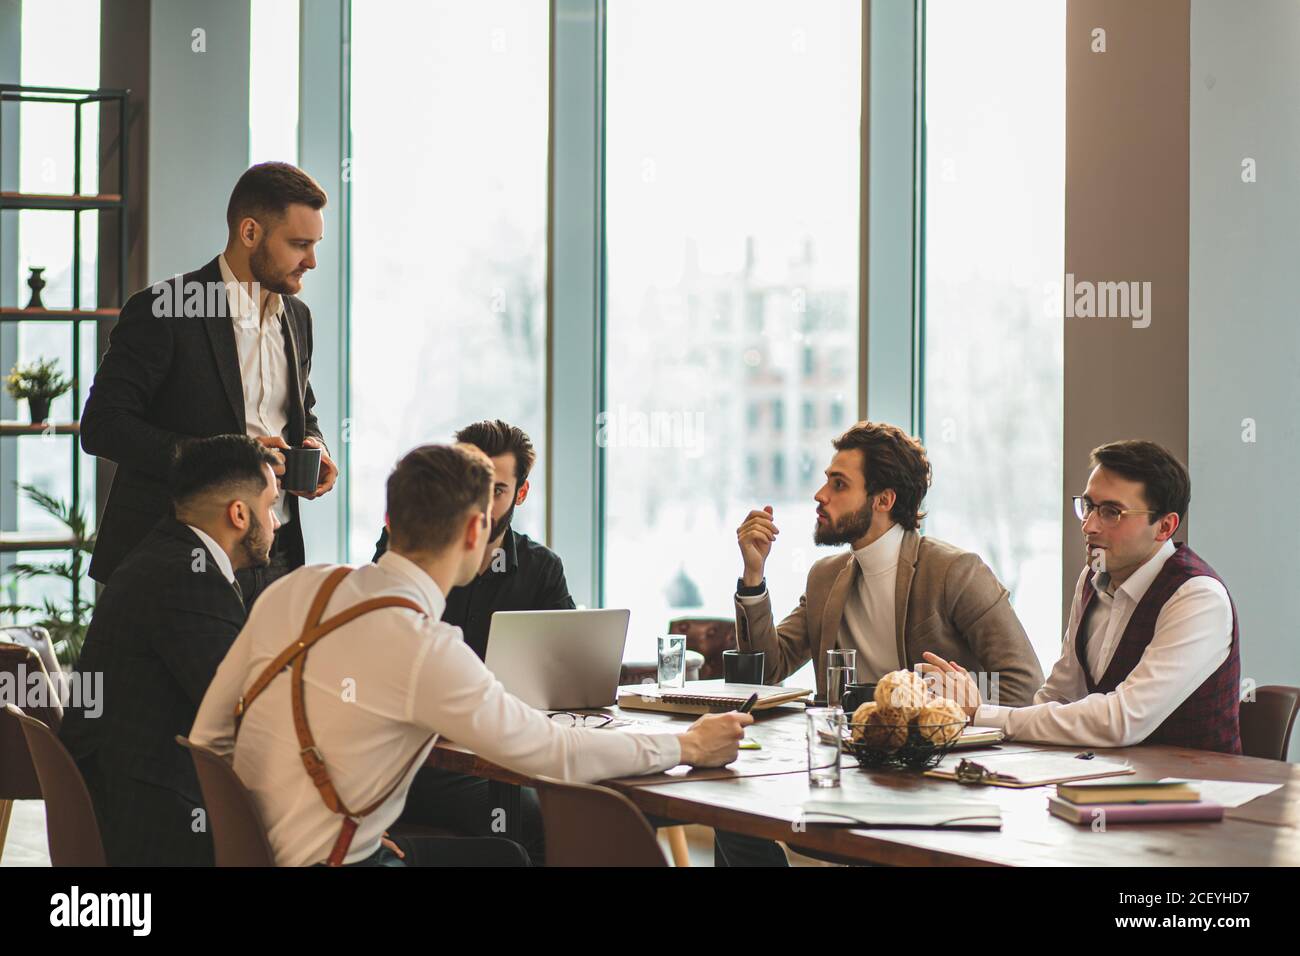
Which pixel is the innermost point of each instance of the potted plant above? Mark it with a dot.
(66, 621)
(40, 383)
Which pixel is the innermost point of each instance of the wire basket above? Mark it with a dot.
(885, 746)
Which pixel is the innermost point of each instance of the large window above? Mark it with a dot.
(448, 181)
(994, 244)
(732, 231)
(60, 47)
(273, 63)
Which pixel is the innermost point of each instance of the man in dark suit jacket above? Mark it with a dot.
(161, 627)
(224, 349)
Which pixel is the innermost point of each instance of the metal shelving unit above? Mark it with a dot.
(76, 203)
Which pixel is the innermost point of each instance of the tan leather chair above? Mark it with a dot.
(594, 826)
(21, 657)
(70, 822)
(1267, 721)
(238, 835)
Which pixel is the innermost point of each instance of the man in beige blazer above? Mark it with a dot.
(896, 594)
(893, 597)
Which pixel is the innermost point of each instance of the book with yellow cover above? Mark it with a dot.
(705, 697)
(1135, 791)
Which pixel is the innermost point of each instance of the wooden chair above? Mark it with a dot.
(587, 825)
(1267, 721)
(23, 652)
(70, 823)
(238, 835)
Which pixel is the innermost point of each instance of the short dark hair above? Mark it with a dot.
(230, 464)
(1165, 483)
(495, 437)
(431, 490)
(891, 458)
(266, 190)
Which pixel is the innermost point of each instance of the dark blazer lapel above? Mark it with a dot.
(907, 557)
(833, 613)
(297, 418)
(221, 333)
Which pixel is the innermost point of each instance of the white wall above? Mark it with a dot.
(1244, 335)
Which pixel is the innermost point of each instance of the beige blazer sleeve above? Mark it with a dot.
(785, 646)
(981, 612)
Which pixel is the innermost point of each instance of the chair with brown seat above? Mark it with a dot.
(1267, 721)
(587, 825)
(70, 823)
(21, 656)
(238, 834)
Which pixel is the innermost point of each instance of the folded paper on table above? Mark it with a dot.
(1228, 793)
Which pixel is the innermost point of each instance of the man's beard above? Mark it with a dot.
(499, 526)
(256, 543)
(259, 264)
(846, 530)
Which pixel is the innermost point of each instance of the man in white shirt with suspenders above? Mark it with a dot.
(342, 679)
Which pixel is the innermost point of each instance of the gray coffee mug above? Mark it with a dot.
(301, 469)
(742, 667)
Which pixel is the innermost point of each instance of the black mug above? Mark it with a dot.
(855, 695)
(742, 667)
(301, 469)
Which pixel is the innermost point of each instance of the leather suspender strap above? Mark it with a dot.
(295, 656)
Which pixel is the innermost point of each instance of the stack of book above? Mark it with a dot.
(1136, 801)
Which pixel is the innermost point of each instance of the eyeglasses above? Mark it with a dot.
(1109, 515)
(566, 719)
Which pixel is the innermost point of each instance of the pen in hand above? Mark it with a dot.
(746, 707)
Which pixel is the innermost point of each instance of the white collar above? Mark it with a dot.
(882, 554)
(1136, 584)
(430, 594)
(243, 307)
(217, 551)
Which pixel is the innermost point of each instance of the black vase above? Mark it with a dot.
(36, 284)
(40, 409)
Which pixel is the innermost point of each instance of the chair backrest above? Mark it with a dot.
(594, 826)
(708, 635)
(35, 637)
(1266, 722)
(18, 780)
(70, 821)
(238, 835)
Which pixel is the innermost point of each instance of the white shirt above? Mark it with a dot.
(1193, 637)
(868, 621)
(218, 553)
(263, 364)
(375, 690)
(868, 624)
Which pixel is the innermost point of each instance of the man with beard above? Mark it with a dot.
(515, 574)
(893, 597)
(224, 349)
(161, 627)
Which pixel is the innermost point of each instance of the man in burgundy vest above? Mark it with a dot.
(1151, 653)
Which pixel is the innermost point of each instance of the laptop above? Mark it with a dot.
(559, 660)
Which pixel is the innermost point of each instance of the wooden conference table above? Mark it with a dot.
(760, 794)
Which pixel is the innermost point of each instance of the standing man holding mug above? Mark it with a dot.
(224, 349)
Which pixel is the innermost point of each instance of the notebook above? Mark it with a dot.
(912, 815)
(1134, 812)
(704, 697)
(1035, 768)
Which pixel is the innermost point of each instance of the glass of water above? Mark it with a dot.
(825, 735)
(841, 670)
(672, 660)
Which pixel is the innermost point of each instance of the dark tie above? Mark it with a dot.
(234, 583)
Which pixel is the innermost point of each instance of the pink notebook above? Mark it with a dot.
(1134, 812)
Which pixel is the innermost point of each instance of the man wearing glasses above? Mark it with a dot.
(1151, 652)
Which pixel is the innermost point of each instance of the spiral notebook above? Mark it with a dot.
(704, 697)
